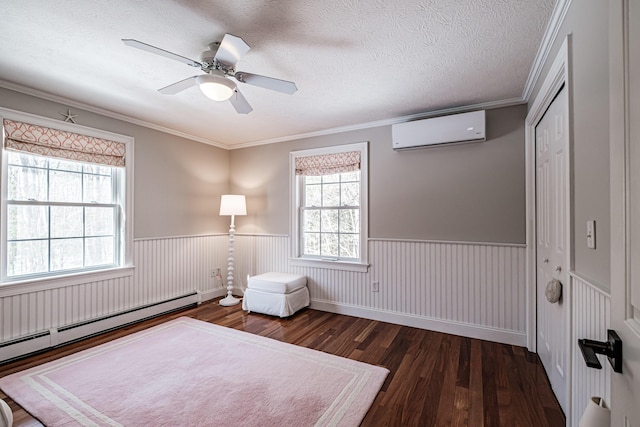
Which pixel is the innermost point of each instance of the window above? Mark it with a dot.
(66, 201)
(61, 215)
(329, 226)
(330, 216)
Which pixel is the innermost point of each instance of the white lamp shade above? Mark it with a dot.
(596, 414)
(233, 204)
(216, 86)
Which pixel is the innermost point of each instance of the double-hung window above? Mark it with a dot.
(61, 215)
(64, 203)
(329, 200)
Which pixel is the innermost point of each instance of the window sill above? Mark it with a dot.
(330, 265)
(10, 288)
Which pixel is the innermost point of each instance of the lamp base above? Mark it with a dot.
(229, 300)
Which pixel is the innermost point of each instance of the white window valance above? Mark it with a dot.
(326, 164)
(57, 143)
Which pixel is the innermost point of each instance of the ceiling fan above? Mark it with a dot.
(218, 63)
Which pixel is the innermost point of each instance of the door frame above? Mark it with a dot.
(558, 75)
(620, 143)
(620, 140)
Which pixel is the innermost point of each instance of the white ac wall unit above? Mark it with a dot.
(456, 128)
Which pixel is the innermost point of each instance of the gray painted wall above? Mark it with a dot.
(587, 22)
(178, 182)
(470, 192)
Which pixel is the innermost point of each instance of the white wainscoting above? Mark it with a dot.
(165, 268)
(471, 289)
(591, 312)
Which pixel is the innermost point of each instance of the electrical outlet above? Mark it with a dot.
(218, 278)
(213, 272)
(375, 286)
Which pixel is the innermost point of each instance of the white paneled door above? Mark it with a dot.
(552, 141)
(624, 39)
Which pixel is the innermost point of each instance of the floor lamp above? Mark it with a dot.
(231, 204)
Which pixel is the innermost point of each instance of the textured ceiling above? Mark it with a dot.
(354, 61)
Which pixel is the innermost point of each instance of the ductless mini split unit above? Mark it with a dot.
(437, 131)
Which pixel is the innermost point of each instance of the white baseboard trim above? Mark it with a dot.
(217, 293)
(432, 324)
(211, 294)
(62, 335)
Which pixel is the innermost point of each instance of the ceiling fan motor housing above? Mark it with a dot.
(208, 59)
(209, 55)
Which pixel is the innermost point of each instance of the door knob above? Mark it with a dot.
(546, 260)
(558, 268)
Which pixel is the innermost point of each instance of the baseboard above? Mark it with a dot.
(44, 340)
(215, 293)
(432, 324)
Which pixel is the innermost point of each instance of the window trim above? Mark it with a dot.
(294, 209)
(125, 191)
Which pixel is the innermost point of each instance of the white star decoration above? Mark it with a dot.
(68, 117)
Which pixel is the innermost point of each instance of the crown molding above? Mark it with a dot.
(107, 113)
(550, 35)
(386, 122)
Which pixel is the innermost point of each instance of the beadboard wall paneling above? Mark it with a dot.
(168, 267)
(165, 268)
(469, 289)
(472, 289)
(591, 313)
(29, 313)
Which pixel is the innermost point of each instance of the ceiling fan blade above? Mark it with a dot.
(231, 49)
(152, 49)
(266, 82)
(176, 87)
(240, 103)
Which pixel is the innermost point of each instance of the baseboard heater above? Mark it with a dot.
(54, 337)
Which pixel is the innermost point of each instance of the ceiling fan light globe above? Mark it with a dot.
(217, 88)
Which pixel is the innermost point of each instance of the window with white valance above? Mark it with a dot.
(68, 199)
(329, 200)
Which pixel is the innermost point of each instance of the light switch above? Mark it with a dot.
(591, 234)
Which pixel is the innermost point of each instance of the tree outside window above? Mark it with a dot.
(61, 215)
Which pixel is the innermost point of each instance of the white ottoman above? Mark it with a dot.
(277, 294)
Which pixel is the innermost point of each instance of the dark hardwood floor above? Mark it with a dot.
(436, 379)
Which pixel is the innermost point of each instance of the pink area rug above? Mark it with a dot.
(191, 373)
